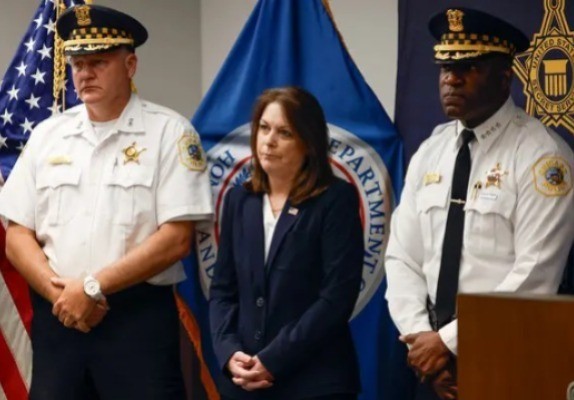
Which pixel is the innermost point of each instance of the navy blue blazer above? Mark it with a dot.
(293, 311)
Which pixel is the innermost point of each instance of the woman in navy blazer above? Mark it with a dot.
(289, 263)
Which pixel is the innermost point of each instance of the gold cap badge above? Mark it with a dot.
(83, 15)
(455, 20)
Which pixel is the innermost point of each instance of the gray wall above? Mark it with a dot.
(189, 40)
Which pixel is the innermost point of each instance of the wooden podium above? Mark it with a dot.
(515, 347)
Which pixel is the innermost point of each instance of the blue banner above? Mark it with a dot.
(296, 43)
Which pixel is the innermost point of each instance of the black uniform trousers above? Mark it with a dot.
(132, 354)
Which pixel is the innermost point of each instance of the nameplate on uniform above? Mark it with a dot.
(59, 160)
(431, 177)
(488, 196)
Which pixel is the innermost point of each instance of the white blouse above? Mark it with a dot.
(269, 224)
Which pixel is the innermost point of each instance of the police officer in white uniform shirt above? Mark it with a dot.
(487, 204)
(101, 207)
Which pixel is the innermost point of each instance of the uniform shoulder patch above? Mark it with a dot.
(552, 176)
(191, 154)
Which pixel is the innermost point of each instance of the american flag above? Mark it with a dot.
(26, 98)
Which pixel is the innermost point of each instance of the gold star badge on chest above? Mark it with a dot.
(132, 153)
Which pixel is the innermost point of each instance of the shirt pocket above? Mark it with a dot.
(489, 228)
(432, 207)
(59, 193)
(131, 194)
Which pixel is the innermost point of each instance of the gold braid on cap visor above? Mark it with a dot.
(95, 43)
(463, 45)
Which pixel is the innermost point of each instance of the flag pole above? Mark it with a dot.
(59, 63)
(330, 13)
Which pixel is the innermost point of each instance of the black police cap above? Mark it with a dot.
(465, 34)
(88, 28)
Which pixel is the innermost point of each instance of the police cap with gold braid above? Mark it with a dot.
(465, 34)
(88, 29)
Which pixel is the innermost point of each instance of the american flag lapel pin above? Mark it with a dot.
(293, 211)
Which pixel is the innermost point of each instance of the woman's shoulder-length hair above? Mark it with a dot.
(307, 121)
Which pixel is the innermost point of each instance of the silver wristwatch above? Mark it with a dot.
(92, 288)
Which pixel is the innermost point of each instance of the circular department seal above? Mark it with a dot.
(352, 159)
(551, 75)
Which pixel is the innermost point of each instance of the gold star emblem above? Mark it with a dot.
(132, 154)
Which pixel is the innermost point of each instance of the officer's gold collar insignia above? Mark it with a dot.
(190, 152)
(455, 20)
(132, 154)
(431, 177)
(59, 160)
(83, 15)
(552, 176)
(494, 176)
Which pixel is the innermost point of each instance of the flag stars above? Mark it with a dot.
(3, 141)
(27, 125)
(21, 147)
(50, 26)
(13, 93)
(22, 69)
(38, 76)
(55, 109)
(7, 117)
(39, 21)
(30, 45)
(45, 52)
(33, 101)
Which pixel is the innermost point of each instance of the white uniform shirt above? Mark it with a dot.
(89, 202)
(519, 220)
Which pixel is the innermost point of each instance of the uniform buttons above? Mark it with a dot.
(257, 335)
(260, 302)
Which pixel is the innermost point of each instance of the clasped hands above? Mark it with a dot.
(429, 358)
(248, 372)
(73, 307)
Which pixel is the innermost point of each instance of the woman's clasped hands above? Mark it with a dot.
(248, 372)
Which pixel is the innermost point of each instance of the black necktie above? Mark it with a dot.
(452, 246)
